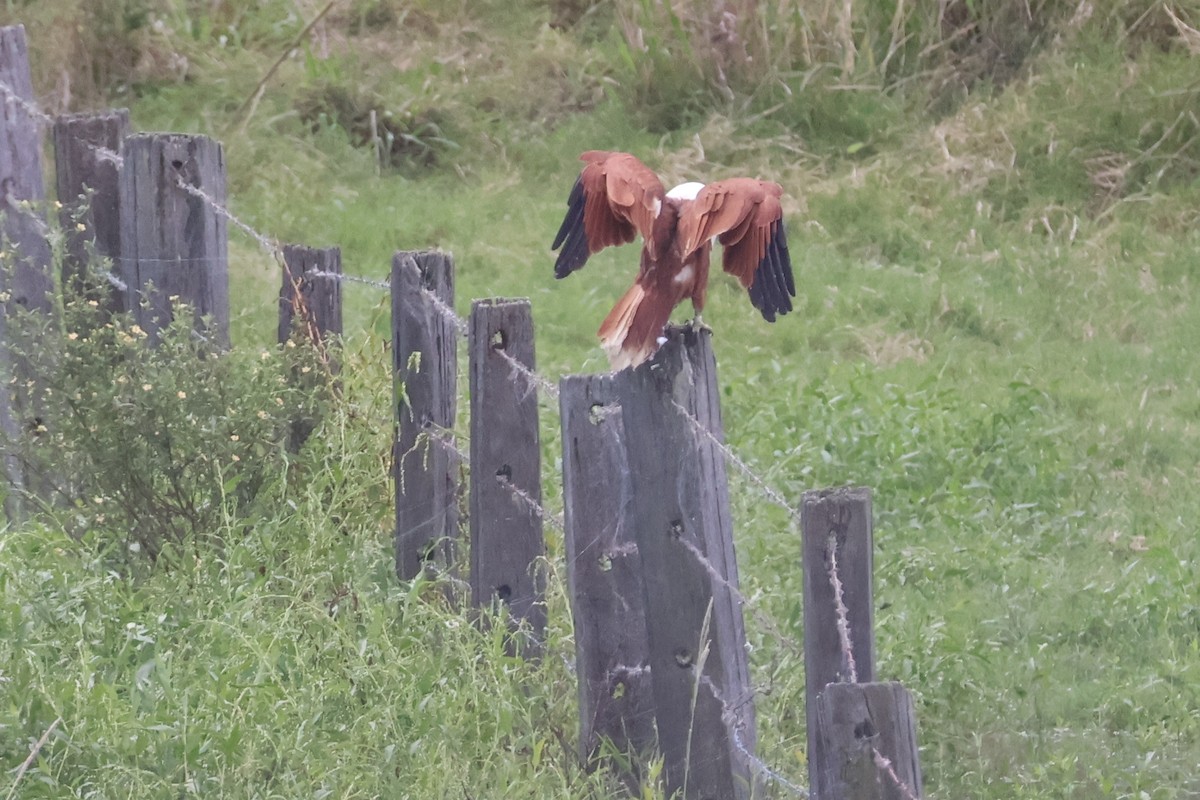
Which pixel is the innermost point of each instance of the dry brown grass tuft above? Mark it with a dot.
(971, 149)
(1189, 36)
(885, 348)
(1107, 174)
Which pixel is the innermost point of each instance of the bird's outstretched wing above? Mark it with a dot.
(746, 217)
(615, 198)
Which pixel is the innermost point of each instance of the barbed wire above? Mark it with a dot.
(269, 246)
(445, 438)
(533, 379)
(102, 153)
(884, 765)
(105, 154)
(771, 493)
(843, 613)
(761, 617)
(341, 276)
(11, 96)
(524, 498)
(443, 308)
(735, 724)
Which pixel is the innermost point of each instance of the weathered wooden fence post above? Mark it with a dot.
(22, 192)
(853, 723)
(604, 574)
(507, 541)
(684, 533)
(25, 277)
(87, 168)
(316, 298)
(839, 646)
(868, 735)
(425, 360)
(172, 233)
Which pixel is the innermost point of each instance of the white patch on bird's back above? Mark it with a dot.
(657, 206)
(685, 191)
(684, 275)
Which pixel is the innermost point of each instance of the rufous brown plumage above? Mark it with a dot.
(617, 198)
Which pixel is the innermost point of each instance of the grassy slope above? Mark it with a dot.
(1002, 353)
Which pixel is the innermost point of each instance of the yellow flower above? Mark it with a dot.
(233, 437)
(146, 387)
(182, 395)
(72, 336)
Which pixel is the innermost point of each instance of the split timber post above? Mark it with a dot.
(507, 539)
(22, 192)
(604, 575)
(684, 533)
(867, 730)
(853, 722)
(425, 370)
(316, 299)
(171, 236)
(24, 268)
(86, 162)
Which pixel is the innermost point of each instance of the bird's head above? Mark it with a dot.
(685, 191)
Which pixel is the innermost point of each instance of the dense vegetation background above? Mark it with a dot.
(993, 210)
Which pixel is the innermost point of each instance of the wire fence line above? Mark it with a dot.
(445, 438)
(29, 107)
(44, 120)
(885, 767)
(760, 616)
(341, 276)
(736, 725)
(772, 494)
(104, 154)
(843, 613)
(534, 380)
(271, 246)
(527, 500)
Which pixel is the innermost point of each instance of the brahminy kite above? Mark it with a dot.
(617, 197)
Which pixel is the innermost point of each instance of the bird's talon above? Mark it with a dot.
(697, 325)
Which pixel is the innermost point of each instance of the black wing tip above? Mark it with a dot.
(571, 236)
(774, 286)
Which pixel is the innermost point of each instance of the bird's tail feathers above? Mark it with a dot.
(633, 330)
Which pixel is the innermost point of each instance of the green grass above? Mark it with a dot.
(995, 331)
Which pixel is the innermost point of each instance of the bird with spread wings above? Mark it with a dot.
(617, 197)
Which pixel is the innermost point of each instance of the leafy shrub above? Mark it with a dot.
(156, 444)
